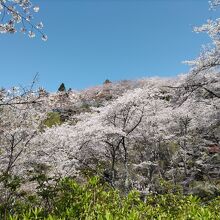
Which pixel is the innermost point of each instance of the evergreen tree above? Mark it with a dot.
(62, 88)
(107, 81)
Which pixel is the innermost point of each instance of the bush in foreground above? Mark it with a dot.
(96, 200)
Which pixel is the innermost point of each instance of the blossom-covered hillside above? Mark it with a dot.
(153, 135)
(131, 133)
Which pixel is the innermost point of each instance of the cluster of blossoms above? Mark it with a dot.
(214, 3)
(210, 56)
(18, 15)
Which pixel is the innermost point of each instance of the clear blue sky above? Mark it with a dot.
(91, 40)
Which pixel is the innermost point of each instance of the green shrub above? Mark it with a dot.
(97, 200)
(53, 118)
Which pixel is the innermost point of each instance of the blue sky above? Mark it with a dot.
(91, 40)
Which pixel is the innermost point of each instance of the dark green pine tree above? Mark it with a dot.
(62, 88)
(107, 81)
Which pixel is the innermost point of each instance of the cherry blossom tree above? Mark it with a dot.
(18, 15)
(20, 121)
(204, 73)
(214, 3)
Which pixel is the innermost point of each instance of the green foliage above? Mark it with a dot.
(168, 187)
(97, 200)
(53, 118)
